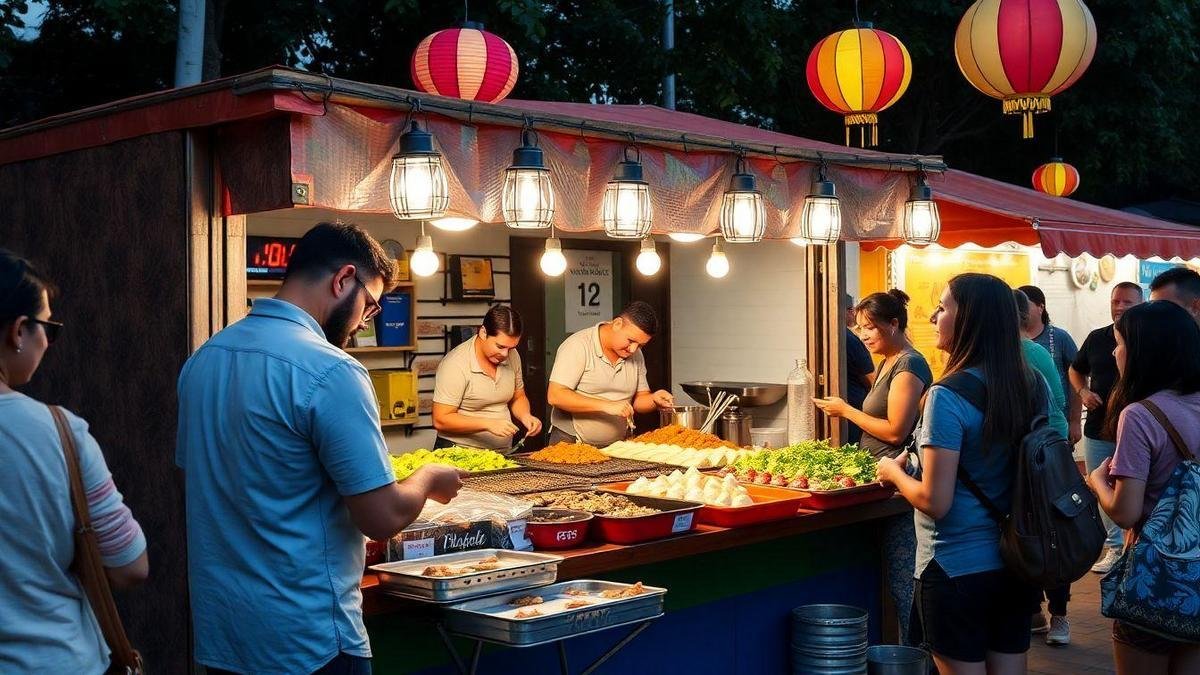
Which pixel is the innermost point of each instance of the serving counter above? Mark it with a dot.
(727, 608)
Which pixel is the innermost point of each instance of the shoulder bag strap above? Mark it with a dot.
(87, 564)
(974, 392)
(1172, 432)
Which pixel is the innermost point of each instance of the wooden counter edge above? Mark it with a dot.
(603, 558)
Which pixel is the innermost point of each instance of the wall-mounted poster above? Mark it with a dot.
(588, 286)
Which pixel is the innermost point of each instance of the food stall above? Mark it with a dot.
(144, 208)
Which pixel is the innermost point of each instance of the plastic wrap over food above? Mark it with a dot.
(345, 158)
(472, 505)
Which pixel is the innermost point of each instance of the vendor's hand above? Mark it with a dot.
(533, 426)
(890, 469)
(1074, 432)
(663, 398)
(1099, 476)
(1091, 400)
(442, 482)
(832, 406)
(502, 428)
(619, 409)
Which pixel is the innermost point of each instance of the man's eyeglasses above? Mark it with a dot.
(52, 329)
(373, 307)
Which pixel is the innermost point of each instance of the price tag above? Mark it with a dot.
(418, 548)
(683, 522)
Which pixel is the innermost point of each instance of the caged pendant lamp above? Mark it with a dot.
(418, 186)
(626, 211)
(528, 200)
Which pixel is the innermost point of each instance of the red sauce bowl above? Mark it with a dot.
(559, 529)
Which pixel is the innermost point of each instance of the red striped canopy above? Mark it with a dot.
(466, 63)
(859, 72)
(1056, 178)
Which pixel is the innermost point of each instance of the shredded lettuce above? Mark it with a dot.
(817, 461)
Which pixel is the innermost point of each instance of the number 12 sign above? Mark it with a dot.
(589, 288)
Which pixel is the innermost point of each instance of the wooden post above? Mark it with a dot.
(826, 279)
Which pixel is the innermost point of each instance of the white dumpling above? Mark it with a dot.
(730, 480)
(694, 495)
(660, 483)
(743, 500)
(639, 487)
(676, 475)
(676, 492)
(724, 498)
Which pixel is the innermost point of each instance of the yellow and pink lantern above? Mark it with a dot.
(1025, 51)
(859, 72)
(1056, 178)
(468, 63)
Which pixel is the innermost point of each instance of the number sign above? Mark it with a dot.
(589, 288)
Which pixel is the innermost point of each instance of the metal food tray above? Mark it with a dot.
(675, 516)
(493, 619)
(520, 570)
(524, 482)
(614, 465)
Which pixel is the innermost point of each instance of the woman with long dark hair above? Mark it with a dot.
(46, 623)
(1158, 357)
(972, 612)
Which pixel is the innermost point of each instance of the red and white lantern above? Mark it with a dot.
(468, 63)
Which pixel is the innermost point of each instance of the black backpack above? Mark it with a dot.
(1054, 534)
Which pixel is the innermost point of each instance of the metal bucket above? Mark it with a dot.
(686, 416)
(896, 660)
(829, 639)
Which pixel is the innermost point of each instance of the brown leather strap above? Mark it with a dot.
(87, 564)
(1172, 432)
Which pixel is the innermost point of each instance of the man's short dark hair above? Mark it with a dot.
(1129, 286)
(503, 319)
(642, 315)
(329, 246)
(1186, 280)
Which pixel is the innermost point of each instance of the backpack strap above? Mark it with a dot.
(1172, 432)
(972, 389)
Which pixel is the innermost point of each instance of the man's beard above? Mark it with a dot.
(339, 327)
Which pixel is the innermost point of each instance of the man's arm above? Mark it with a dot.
(447, 420)
(520, 410)
(384, 511)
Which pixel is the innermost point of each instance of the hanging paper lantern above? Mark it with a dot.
(1025, 51)
(1056, 178)
(468, 63)
(859, 72)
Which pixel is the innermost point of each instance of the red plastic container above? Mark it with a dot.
(770, 503)
(825, 500)
(676, 517)
(561, 534)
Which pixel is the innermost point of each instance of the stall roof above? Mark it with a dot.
(974, 209)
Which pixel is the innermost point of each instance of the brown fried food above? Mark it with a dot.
(685, 438)
(628, 592)
(570, 453)
(484, 566)
(526, 601)
(439, 571)
(576, 604)
(527, 613)
(576, 592)
(489, 559)
(601, 503)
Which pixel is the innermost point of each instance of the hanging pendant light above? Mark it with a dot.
(626, 211)
(418, 185)
(553, 262)
(922, 224)
(821, 219)
(648, 262)
(424, 262)
(718, 265)
(685, 237)
(528, 200)
(743, 216)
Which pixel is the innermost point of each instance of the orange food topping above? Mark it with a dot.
(685, 438)
(570, 453)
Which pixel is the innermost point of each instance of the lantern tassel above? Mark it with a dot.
(863, 121)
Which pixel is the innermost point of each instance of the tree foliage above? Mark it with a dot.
(1126, 124)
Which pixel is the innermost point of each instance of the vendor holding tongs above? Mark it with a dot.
(479, 389)
(599, 380)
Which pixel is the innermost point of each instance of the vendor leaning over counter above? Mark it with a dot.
(599, 379)
(479, 388)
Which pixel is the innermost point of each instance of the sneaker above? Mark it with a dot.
(1040, 623)
(1060, 631)
(1106, 561)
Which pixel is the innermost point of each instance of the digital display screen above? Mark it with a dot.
(267, 257)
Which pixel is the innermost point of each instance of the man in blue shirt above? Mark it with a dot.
(286, 469)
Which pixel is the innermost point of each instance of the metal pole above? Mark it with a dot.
(668, 47)
(189, 50)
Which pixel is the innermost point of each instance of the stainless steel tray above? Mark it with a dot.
(493, 618)
(749, 393)
(519, 570)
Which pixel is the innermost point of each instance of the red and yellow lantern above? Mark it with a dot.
(468, 63)
(1025, 51)
(1056, 178)
(858, 73)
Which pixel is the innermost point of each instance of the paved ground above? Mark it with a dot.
(1090, 651)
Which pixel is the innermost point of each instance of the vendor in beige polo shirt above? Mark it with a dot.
(479, 388)
(599, 379)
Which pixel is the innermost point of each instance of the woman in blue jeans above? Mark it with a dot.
(973, 613)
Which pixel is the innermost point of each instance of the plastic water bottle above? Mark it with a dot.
(802, 420)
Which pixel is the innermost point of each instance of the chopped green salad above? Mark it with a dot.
(467, 459)
(809, 465)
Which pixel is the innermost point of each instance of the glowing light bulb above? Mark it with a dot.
(454, 223)
(685, 237)
(553, 262)
(648, 262)
(424, 262)
(717, 265)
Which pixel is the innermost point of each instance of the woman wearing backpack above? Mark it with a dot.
(974, 613)
(1158, 357)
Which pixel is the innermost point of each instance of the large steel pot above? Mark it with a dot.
(687, 416)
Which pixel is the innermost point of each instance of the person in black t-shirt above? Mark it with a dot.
(1093, 375)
